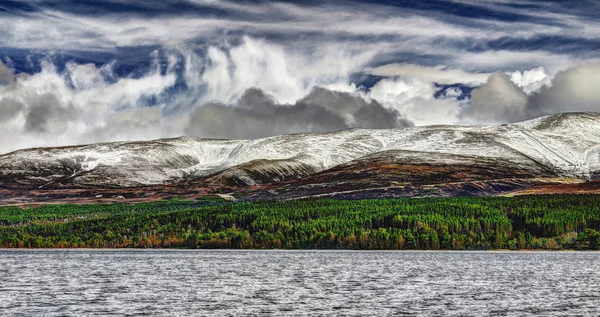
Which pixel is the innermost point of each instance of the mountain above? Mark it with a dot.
(416, 161)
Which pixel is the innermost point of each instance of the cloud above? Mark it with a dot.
(498, 60)
(46, 114)
(130, 124)
(6, 75)
(285, 73)
(415, 99)
(531, 80)
(249, 90)
(500, 100)
(83, 103)
(439, 74)
(9, 108)
(257, 115)
(57, 28)
(478, 38)
(575, 89)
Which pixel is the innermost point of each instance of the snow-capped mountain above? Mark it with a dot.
(561, 146)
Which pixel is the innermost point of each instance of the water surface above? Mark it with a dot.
(212, 283)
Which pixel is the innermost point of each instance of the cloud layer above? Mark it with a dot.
(85, 103)
(73, 73)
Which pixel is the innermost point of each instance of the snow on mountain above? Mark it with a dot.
(566, 143)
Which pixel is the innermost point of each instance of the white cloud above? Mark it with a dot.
(439, 74)
(502, 60)
(286, 74)
(415, 99)
(53, 108)
(85, 103)
(531, 80)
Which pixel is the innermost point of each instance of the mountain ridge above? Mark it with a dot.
(561, 146)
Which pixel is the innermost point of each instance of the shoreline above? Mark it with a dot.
(302, 250)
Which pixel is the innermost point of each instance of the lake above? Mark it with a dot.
(214, 283)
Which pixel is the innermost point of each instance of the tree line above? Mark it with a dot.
(474, 223)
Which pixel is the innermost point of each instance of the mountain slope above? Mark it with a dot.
(398, 173)
(558, 146)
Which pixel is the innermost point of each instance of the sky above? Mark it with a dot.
(77, 72)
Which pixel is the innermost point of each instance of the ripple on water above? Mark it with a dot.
(186, 283)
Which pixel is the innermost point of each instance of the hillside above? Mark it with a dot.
(417, 161)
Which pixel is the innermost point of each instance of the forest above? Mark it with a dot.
(551, 222)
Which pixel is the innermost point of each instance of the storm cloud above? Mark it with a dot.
(575, 89)
(6, 75)
(257, 115)
(500, 100)
(9, 108)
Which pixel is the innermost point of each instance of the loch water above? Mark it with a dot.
(280, 283)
